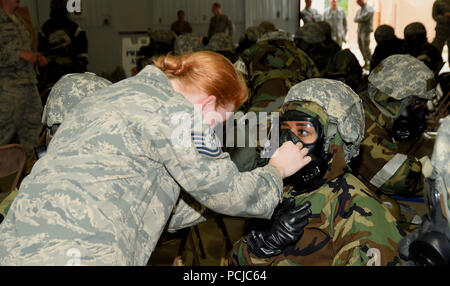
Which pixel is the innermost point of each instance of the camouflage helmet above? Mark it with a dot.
(221, 42)
(311, 33)
(187, 43)
(342, 105)
(402, 76)
(266, 27)
(67, 93)
(163, 36)
(253, 33)
(384, 33)
(276, 35)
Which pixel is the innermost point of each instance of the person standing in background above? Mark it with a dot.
(310, 15)
(20, 104)
(364, 18)
(441, 14)
(181, 26)
(219, 23)
(337, 19)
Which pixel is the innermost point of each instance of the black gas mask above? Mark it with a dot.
(411, 123)
(312, 174)
(430, 244)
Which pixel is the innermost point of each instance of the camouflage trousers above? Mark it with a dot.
(20, 114)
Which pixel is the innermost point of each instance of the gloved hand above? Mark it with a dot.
(287, 229)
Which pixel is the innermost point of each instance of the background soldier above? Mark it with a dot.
(395, 110)
(364, 18)
(348, 226)
(181, 26)
(219, 23)
(335, 16)
(387, 45)
(441, 14)
(20, 104)
(310, 15)
(64, 43)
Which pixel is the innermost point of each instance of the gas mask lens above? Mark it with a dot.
(303, 130)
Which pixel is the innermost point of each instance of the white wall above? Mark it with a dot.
(126, 17)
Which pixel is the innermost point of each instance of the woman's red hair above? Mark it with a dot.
(208, 72)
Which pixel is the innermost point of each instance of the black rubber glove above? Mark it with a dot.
(287, 229)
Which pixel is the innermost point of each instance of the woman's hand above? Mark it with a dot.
(290, 158)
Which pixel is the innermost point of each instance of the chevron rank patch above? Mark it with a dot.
(207, 144)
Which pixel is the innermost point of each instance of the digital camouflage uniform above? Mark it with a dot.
(349, 226)
(440, 7)
(364, 18)
(338, 22)
(310, 15)
(103, 193)
(188, 43)
(20, 104)
(392, 86)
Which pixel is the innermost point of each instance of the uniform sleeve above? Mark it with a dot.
(366, 234)
(187, 213)
(240, 256)
(209, 175)
(364, 16)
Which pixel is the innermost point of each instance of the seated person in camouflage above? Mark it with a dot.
(395, 110)
(270, 67)
(387, 45)
(310, 38)
(416, 44)
(429, 245)
(222, 43)
(348, 225)
(65, 94)
(251, 35)
(188, 43)
(161, 43)
(345, 67)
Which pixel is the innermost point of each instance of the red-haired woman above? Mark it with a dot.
(115, 168)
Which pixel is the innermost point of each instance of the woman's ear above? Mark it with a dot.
(209, 104)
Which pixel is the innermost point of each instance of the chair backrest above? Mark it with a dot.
(12, 160)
